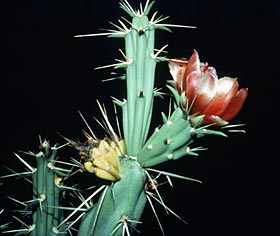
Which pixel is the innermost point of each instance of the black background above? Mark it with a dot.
(48, 75)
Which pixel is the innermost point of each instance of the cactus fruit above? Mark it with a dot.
(125, 166)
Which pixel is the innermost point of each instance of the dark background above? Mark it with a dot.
(48, 75)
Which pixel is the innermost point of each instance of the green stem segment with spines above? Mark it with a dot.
(120, 203)
(45, 192)
(140, 70)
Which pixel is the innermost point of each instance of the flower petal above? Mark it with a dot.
(235, 105)
(226, 90)
(190, 86)
(206, 90)
(193, 63)
(177, 68)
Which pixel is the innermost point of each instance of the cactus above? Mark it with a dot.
(124, 162)
(47, 185)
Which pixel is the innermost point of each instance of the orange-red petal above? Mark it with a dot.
(235, 105)
(193, 63)
(191, 84)
(205, 91)
(227, 89)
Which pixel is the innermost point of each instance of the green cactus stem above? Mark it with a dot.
(140, 72)
(121, 204)
(46, 192)
(44, 209)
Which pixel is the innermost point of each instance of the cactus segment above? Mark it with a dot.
(173, 134)
(122, 203)
(46, 193)
(139, 46)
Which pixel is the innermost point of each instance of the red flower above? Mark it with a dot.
(202, 93)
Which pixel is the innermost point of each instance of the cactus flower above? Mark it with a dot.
(103, 160)
(202, 93)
